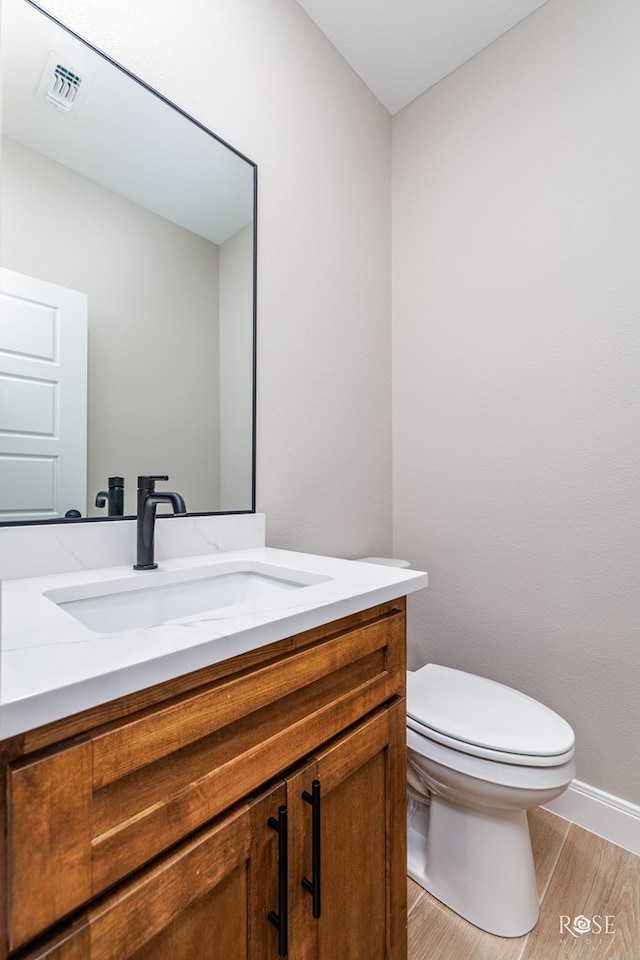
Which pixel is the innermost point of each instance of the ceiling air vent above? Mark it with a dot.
(61, 85)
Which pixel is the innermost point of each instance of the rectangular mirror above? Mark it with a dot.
(127, 301)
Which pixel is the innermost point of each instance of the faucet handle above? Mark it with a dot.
(148, 483)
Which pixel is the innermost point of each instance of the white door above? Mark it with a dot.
(43, 399)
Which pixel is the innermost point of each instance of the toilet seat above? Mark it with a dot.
(485, 719)
(472, 750)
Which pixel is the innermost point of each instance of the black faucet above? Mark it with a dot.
(114, 497)
(148, 500)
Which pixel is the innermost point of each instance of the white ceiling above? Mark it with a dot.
(400, 48)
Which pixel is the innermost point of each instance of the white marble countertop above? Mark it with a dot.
(52, 666)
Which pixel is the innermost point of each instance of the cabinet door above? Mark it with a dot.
(192, 905)
(268, 875)
(352, 901)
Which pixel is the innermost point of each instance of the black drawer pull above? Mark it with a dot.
(313, 886)
(280, 920)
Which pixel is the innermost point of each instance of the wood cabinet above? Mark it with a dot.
(358, 868)
(252, 810)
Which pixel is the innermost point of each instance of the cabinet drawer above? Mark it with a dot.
(88, 813)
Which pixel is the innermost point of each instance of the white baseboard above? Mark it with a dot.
(600, 813)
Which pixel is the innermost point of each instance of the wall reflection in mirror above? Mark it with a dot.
(127, 310)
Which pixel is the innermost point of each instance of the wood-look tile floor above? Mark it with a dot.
(579, 875)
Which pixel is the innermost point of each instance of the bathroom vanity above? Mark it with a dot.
(253, 807)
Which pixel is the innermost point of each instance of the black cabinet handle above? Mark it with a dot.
(313, 886)
(280, 920)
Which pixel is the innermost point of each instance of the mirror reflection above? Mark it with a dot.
(127, 303)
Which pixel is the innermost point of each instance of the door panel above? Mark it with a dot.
(361, 779)
(213, 926)
(43, 398)
(353, 921)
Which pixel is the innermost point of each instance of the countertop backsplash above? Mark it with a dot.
(36, 550)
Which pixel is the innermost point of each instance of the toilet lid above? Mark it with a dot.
(473, 710)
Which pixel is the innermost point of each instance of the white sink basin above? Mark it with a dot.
(155, 597)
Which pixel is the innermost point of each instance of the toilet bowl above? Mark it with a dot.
(479, 755)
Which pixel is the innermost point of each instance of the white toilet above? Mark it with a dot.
(479, 755)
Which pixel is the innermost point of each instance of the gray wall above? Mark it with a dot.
(516, 247)
(236, 369)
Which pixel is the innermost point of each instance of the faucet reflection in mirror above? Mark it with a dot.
(185, 250)
(113, 498)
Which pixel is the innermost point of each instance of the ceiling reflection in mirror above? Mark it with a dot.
(127, 308)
